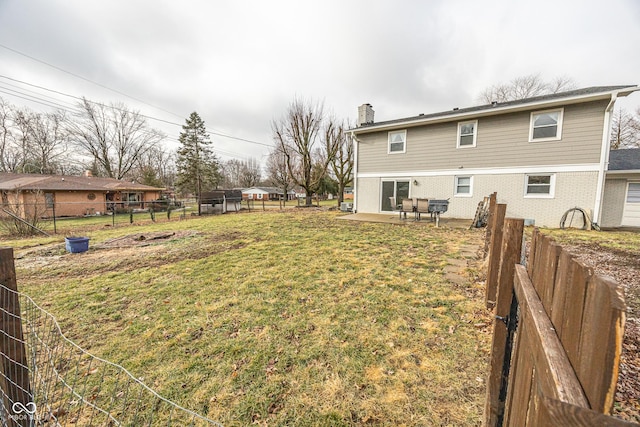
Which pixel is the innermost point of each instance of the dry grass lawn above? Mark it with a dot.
(275, 318)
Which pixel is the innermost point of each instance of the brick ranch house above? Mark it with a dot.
(72, 195)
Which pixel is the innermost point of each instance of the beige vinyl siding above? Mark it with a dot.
(502, 141)
(613, 202)
(569, 192)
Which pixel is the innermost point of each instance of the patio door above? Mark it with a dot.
(399, 189)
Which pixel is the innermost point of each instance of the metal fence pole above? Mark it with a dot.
(55, 228)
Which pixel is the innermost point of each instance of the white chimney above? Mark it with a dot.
(365, 114)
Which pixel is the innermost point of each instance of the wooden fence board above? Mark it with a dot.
(489, 229)
(497, 220)
(533, 251)
(548, 276)
(557, 378)
(601, 342)
(557, 413)
(511, 250)
(519, 383)
(566, 352)
(564, 278)
(574, 308)
(15, 371)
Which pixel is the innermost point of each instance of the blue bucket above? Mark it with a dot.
(76, 244)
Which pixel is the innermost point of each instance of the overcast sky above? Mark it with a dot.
(240, 63)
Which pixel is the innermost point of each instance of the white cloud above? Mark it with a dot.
(240, 63)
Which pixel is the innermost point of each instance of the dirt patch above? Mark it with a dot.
(624, 267)
(128, 253)
(145, 239)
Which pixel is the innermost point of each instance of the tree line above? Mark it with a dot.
(115, 141)
(312, 149)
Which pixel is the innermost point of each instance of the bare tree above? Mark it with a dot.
(156, 167)
(625, 129)
(21, 142)
(250, 173)
(48, 141)
(525, 87)
(231, 171)
(306, 148)
(114, 136)
(342, 162)
(241, 173)
(278, 173)
(6, 135)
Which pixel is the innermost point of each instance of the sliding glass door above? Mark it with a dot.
(396, 189)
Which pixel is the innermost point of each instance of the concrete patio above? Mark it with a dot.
(390, 218)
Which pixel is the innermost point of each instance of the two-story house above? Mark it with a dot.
(542, 155)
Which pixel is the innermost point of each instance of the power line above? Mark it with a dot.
(123, 94)
(51, 104)
(213, 132)
(85, 79)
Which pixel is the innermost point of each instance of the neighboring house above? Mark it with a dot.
(73, 195)
(542, 155)
(266, 193)
(621, 206)
(347, 194)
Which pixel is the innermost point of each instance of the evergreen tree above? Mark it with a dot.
(197, 166)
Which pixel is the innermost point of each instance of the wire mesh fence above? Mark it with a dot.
(46, 379)
(22, 217)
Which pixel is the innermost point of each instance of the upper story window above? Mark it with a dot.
(464, 186)
(539, 185)
(546, 125)
(467, 132)
(397, 141)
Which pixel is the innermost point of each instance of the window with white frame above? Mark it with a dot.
(463, 186)
(467, 133)
(539, 185)
(546, 125)
(397, 141)
(633, 192)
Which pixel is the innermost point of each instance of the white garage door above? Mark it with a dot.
(631, 216)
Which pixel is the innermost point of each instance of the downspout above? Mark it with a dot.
(604, 158)
(355, 141)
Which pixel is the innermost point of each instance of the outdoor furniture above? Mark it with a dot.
(407, 206)
(422, 206)
(395, 207)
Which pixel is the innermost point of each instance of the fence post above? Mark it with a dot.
(489, 228)
(55, 226)
(502, 337)
(14, 377)
(497, 224)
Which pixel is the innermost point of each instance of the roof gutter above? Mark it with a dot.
(604, 157)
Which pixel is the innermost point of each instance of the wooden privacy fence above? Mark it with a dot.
(557, 337)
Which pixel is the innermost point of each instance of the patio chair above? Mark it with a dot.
(395, 207)
(422, 206)
(407, 206)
